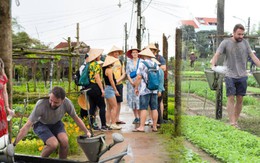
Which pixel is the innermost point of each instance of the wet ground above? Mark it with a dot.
(146, 146)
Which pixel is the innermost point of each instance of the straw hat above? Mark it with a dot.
(129, 52)
(109, 60)
(152, 46)
(156, 61)
(82, 102)
(94, 53)
(114, 49)
(147, 52)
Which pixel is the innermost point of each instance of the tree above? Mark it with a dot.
(188, 37)
(22, 40)
(203, 43)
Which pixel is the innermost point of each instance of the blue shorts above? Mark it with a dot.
(236, 86)
(148, 100)
(109, 91)
(45, 131)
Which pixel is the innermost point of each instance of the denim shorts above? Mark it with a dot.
(45, 131)
(109, 91)
(148, 100)
(236, 86)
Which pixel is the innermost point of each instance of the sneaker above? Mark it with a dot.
(115, 127)
(136, 121)
(149, 122)
(96, 128)
(105, 128)
(108, 124)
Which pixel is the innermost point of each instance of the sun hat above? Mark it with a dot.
(82, 102)
(109, 60)
(147, 52)
(152, 46)
(129, 52)
(156, 61)
(114, 49)
(94, 53)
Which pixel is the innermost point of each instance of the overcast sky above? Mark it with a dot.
(102, 21)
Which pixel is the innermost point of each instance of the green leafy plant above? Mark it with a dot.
(220, 140)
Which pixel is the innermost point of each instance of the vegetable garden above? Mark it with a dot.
(223, 142)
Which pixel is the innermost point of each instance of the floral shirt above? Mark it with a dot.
(94, 68)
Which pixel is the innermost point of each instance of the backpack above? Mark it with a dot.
(153, 77)
(83, 79)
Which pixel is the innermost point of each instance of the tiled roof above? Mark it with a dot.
(206, 21)
(64, 45)
(189, 22)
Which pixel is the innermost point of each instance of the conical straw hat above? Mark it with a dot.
(147, 52)
(156, 61)
(94, 53)
(152, 46)
(114, 49)
(109, 60)
(82, 102)
(129, 52)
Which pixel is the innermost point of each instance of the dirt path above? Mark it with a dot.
(145, 146)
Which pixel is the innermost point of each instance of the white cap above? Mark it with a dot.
(253, 51)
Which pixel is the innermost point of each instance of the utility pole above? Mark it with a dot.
(248, 26)
(138, 31)
(70, 65)
(126, 37)
(148, 36)
(220, 31)
(77, 51)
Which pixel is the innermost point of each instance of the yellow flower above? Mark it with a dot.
(40, 148)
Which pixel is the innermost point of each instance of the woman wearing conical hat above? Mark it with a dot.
(97, 93)
(110, 92)
(132, 64)
(119, 72)
(146, 96)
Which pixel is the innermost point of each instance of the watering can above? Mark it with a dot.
(6, 150)
(92, 147)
